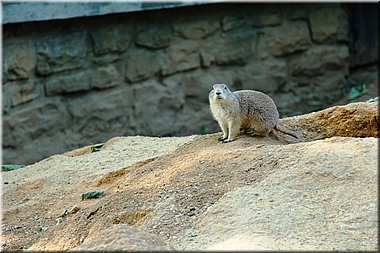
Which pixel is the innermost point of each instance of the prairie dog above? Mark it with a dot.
(249, 110)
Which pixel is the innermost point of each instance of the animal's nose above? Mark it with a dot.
(218, 93)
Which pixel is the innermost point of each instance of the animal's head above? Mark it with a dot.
(219, 91)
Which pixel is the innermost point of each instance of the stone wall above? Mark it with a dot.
(82, 81)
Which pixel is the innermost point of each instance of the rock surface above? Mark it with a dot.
(297, 53)
(194, 193)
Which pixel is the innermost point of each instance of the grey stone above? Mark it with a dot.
(198, 85)
(207, 58)
(110, 40)
(288, 38)
(19, 61)
(22, 92)
(74, 82)
(329, 25)
(154, 38)
(297, 14)
(231, 22)
(107, 105)
(100, 115)
(105, 77)
(267, 20)
(6, 99)
(235, 49)
(156, 115)
(33, 122)
(329, 82)
(61, 52)
(106, 58)
(141, 66)
(181, 57)
(196, 29)
(318, 59)
(265, 76)
(49, 144)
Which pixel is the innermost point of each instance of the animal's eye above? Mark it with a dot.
(225, 87)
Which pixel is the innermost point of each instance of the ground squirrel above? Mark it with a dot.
(248, 110)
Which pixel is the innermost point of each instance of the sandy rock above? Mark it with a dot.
(124, 238)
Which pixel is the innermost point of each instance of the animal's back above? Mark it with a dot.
(257, 109)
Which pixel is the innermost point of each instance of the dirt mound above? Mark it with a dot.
(193, 193)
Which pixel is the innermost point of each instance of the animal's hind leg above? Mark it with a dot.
(259, 131)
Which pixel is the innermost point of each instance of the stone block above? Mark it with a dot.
(328, 82)
(79, 81)
(154, 38)
(329, 25)
(6, 99)
(106, 58)
(181, 57)
(231, 22)
(267, 20)
(19, 61)
(265, 76)
(61, 52)
(319, 59)
(22, 92)
(196, 29)
(105, 77)
(197, 85)
(34, 122)
(207, 58)
(110, 40)
(105, 105)
(158, 114)
(288, 38)
(99, 115)
(141, 66)
(235, 49)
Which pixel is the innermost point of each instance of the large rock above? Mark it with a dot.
(154, 38)
(19, 61)
(123, 237)
(196, 29)
(288, 38)
(34, 122)
(142, 66)
(100, 115)
(266, 75)
(180, 57)
(197, 85)
(20, 93)
(230, 22)
(267, 20)
(6, 99)
(318, 59)
(61, 52)
(99, 78)
(110, 40)
(329, 26)
(105, 77)
(157, 114)
(78, 81)
(234, 48)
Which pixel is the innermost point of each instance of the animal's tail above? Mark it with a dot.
(282, 129)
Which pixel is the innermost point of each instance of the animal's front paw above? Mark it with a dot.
(222, 138)
(227, 140)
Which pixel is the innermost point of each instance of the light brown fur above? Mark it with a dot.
(248, 110)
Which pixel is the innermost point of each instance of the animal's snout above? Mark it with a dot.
(218, 93)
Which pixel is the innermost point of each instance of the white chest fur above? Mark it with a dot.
(220, 111)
